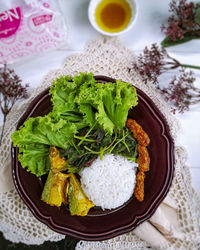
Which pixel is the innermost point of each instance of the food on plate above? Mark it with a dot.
(139, 189)
(57, 163)
(87, 125)
(53, 192)
(138, 132)
(79, 204)
(56, 185)
(143, 159)
(109, 182)
(36, 136)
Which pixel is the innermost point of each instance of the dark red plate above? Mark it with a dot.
(101, 225)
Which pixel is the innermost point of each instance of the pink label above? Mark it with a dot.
(42, 19)
(9, 22)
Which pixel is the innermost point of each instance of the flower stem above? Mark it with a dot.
(190, 66)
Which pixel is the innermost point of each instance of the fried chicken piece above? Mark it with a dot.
(138, 132)
(53, 192)
(57, 163)
(143, 158)
(139, 188)
(79, 204)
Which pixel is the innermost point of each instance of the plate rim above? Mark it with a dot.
(48, 220)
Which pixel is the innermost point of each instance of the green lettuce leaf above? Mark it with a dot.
(35, 137)
(64, 92)
(117, 100)
(35, 157)
(44, 130)
(85, 102)
(106, 103)
(78, 103)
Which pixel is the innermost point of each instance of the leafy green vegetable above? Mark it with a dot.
(116, 101)
(64, 91)
(80, 104)
(44, 130)
(35, 157)
(125, 145)
(109, 102)
(86, 103)
(97, 143)
(35, 137)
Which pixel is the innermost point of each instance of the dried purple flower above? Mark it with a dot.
(183, 24)
(181, 92)
(150, 64)
(155, 61)
(11, 90)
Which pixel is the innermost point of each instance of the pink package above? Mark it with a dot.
(30, 28)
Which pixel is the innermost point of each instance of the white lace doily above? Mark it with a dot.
(104, 56)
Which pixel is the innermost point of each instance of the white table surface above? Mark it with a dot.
(152, 13)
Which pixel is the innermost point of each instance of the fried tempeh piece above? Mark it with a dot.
(138, 132)
(139, 189)
(143, 158)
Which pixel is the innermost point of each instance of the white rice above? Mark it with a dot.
(109, 182)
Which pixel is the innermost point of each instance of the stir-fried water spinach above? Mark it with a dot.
(87, 146)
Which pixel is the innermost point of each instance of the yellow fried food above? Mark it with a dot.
(57, 163)
(79, 204)
(138, 132)
(54, 189)
(143, 159)
(139, 188)
(58, 189)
